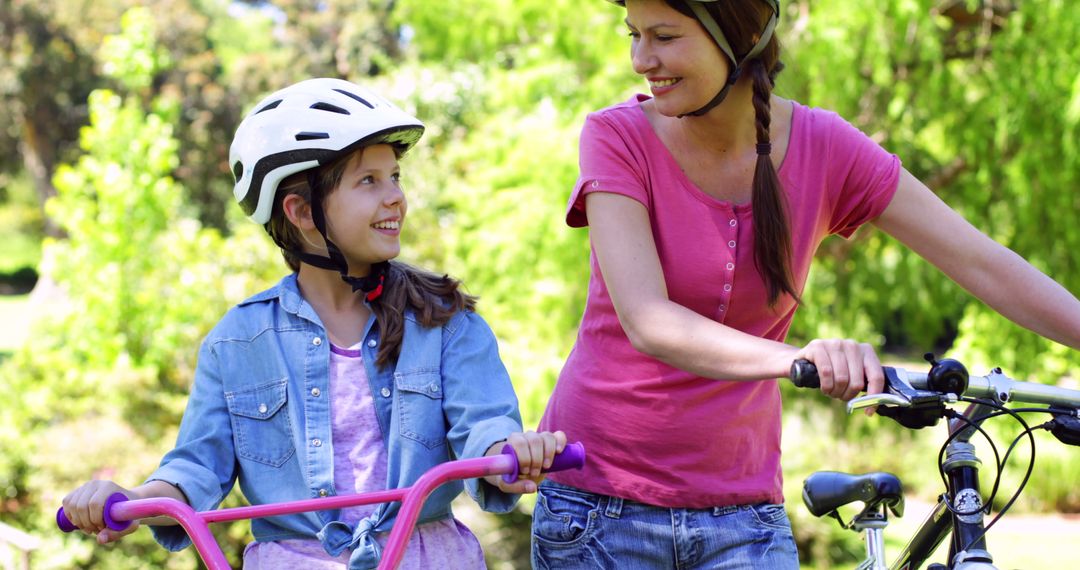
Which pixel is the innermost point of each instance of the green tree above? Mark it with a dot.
(979, 101)
(142, 282)
(45, 77)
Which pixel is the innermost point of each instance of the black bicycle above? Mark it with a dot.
(917, 400)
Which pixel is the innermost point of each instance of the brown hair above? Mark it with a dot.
(742, 22)
(433, 298)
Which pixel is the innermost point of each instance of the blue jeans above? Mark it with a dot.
(578, 529)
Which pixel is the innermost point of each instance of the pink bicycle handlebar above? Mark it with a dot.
(120, 511)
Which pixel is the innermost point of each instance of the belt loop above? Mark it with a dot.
(725, 510)
(614, 507)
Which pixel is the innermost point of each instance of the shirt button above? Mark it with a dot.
(316, 442)
(385, 392)
(730, 266)
(262, 408)
(732, 223)
(315, 392)
(723, 307)
(316, 341)
(731, 243)
(595, 183)
(371, 343)
(434, 388)
(727, 287)
(323, 493)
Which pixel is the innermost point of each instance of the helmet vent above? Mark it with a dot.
(328, 107)
(354, 96)
(238, 170)
(270, 106)
(307, 136)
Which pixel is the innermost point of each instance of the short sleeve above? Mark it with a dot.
(607, 162)
(863, 177)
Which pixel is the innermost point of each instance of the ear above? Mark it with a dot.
(298, 212)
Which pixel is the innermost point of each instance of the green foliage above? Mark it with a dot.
(21, 225)
(141, 282)
(985, 111)
(133, 56)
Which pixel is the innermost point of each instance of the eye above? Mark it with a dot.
(396, 177)
(369, 179)
(663, 38)
(633, 34)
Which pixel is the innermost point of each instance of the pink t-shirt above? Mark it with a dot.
(657, 434)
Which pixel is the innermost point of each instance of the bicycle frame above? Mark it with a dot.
(119, 511)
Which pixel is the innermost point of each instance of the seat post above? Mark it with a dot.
(872, 525)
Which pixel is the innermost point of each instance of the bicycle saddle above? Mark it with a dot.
(826, 491)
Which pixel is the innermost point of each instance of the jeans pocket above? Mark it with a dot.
(771, 516)
(564, 516)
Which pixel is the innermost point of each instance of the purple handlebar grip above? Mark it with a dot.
(572, 457)
(65, 524)
(62, 521)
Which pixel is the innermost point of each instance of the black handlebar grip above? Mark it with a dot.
(804, 374)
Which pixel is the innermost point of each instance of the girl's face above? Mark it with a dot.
(365, 212)
(683, 65)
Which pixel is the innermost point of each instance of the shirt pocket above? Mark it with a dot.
(418, 406)
(261, 426)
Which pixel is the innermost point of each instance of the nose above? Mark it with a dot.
(393, 195)
(642, 57)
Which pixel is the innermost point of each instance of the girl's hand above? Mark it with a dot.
(85, 508)
(534, 452)
(845, 367)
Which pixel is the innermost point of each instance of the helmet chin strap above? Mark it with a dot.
(371, 284)
(733, 77)
(717, 34)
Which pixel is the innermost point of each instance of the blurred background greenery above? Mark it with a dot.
(120, 246)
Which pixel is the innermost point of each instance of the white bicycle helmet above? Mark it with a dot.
(307, 125)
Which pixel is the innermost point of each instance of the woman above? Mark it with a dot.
(706, 202)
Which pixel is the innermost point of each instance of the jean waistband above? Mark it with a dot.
(612, 506)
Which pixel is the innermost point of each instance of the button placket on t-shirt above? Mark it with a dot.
(729, 267)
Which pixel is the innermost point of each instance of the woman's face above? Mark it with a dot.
(365, 212)
(683, 65)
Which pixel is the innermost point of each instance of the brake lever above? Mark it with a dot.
(917, 408)
(894, 400)
(897, 393)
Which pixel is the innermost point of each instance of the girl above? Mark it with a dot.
(706, 202)
(352, 374)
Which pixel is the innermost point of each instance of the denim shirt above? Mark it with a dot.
(259, 412)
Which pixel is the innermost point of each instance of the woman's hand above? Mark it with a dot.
(535, 452)
(845, 367)
(85, 509)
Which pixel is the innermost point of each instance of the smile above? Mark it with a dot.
(386, 225)
(663, 83)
